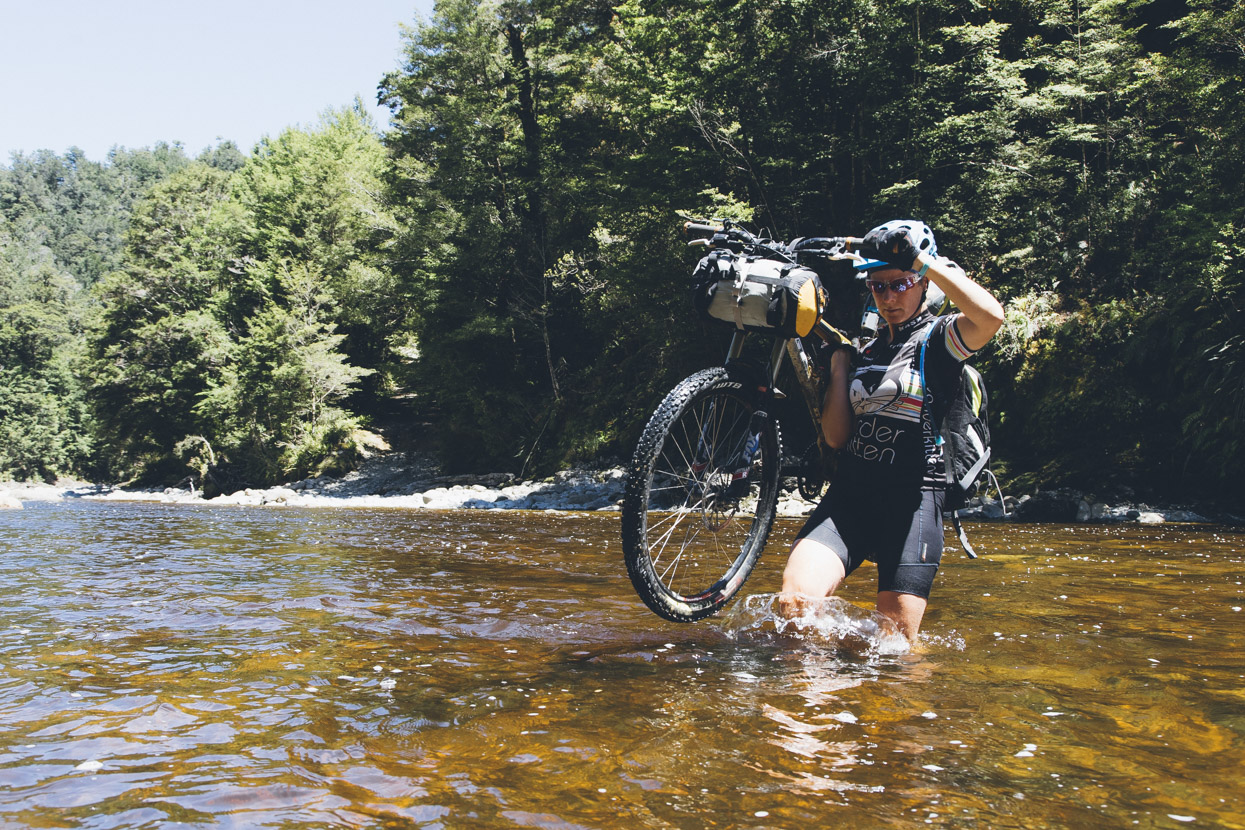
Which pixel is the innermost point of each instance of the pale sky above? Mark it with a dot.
(102, 73)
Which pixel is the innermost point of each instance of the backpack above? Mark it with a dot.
(964, 433)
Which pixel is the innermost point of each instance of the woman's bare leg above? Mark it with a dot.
(905, 609)
(813, 571)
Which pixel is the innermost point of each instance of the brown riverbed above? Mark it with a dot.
(299, 668)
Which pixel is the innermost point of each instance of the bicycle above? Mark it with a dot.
(702, 487)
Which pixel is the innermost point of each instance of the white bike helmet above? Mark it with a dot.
(921, 235)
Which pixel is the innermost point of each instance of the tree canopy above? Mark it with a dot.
(502, 265)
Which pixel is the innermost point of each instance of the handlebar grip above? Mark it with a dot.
(688, 227)
(830, 334)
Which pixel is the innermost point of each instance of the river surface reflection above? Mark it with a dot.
(394, 668)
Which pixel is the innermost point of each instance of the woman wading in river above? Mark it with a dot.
(885, 503)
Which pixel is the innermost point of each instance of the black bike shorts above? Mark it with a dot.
(901, 532)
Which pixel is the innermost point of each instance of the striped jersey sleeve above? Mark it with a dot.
(954, 343)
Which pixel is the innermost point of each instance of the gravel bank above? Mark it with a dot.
(395, 480)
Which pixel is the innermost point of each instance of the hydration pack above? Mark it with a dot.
(964, 432)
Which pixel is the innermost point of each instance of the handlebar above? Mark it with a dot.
(702, 227)
(831, 246)
(727, 234)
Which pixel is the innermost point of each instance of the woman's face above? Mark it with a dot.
(897, 307)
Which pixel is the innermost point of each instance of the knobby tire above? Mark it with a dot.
(691, 534)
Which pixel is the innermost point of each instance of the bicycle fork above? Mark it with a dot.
(727, 478)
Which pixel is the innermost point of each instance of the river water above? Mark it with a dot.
(258, 667)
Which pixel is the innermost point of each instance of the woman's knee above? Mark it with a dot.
(813, 569)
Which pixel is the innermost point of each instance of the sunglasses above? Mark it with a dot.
(899, 286)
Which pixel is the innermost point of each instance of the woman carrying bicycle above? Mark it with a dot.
(885, 503)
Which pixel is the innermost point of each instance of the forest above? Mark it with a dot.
(497, 276)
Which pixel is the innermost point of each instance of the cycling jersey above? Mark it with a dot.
(893, 441)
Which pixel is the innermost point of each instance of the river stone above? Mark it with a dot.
(1048, 506)
(794, 507)
(278, 495)
(1185, 516)
(993, 511)
(9, 502)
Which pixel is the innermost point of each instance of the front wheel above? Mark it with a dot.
(701, 495)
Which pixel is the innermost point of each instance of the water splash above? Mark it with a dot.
(831, 623)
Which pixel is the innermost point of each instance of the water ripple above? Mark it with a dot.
(165, 665)
(831, 623)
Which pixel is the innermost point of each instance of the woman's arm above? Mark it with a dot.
(981, 314)
(836, 408)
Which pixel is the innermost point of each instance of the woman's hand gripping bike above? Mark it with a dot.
(702, 488)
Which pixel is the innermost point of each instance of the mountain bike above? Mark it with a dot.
(702, 487)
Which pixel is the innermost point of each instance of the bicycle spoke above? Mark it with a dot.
(675, 519)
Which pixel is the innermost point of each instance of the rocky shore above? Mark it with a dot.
(398, 480)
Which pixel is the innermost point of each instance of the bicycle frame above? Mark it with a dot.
(808, 377)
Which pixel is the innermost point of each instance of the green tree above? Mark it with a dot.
(156, 343)
(272, 409)
(63, 221)
(79, 209)
(471, 167)
(316, 197)
(43, 419)
(44, 428)
(1199, 234)
(514, 164)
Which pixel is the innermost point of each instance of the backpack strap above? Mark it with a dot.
(929, 332)
(960, 532)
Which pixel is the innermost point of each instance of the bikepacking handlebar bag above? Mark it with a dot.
(759, 295)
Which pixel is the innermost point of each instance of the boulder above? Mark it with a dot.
(992, 511)
(1050, 506)
(277, 495)
(9, 502)
(1185, 516)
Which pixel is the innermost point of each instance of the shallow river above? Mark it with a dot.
(393, 668)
